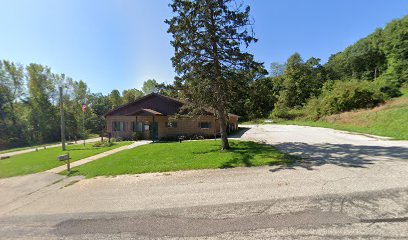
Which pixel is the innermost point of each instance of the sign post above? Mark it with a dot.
(66, 159)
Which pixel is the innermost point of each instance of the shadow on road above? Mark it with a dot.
(239, 132)
(344, 155)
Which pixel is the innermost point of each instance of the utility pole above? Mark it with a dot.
(62, 119)
(83, 120)
(83, 125)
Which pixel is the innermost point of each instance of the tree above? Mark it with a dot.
(207, 37)
(11, 82)
(115, 98)
(168, 90)
(150, 86)
(301, 80)
(276, 69)
(261, 98)
(131, 95)
(98, 105)
(395, 47)
(43, 115)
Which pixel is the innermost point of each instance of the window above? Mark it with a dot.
(118, 126)
(204, 125)
(171, 124)
(146, 127)
(137, 126)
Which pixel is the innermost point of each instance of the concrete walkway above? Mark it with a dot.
(39, 148)
(98, 156)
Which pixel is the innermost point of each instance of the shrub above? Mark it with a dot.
(138, 136)
(102, 144)
(404, 88)
(186, 137)
(340, 96)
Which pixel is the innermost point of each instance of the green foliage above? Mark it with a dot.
(131, 95)
(150, 86)
(115, 98)
(261, 99)
(383, 52)
(300, 81)
(378, 64)
(30, 105)
(363, 60)
(340, 96)
(276, 69)
(105, 143)
(43, 114)
(209, 59)
(137, 136)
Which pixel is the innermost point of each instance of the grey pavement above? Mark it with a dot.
(347, 187)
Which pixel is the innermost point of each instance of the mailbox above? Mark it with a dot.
(64, 157)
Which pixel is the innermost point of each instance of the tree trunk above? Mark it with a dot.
(218, 89)
(223, 130)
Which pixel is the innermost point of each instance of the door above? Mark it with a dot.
(154, 133)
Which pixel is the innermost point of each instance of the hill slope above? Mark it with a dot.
(389, 119)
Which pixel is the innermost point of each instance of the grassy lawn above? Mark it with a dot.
(174, 156)
(90, 136)
(46, 159)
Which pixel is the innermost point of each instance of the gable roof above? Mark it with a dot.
(146, 111)
(153, 102)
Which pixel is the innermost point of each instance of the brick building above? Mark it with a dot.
(153, 117)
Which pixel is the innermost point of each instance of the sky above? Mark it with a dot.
(119, 44)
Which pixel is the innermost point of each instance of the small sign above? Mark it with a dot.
(63, 157)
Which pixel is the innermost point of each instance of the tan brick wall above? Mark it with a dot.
(186, 126)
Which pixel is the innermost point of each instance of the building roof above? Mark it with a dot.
(154, 102)
(145, 110)
(151, 104)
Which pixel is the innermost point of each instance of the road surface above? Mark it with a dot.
(347, 187)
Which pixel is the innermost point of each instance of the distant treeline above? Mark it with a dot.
(29, 105)
(363, 75)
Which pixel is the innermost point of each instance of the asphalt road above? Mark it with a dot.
(347, 187)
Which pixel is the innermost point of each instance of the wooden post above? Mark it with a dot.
(68, 166)
(152, 130)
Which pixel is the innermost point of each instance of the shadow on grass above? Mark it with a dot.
(344, 155)
(247, 152)
(71, 173)
(87, 148)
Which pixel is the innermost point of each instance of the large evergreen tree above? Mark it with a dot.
(208, 37)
